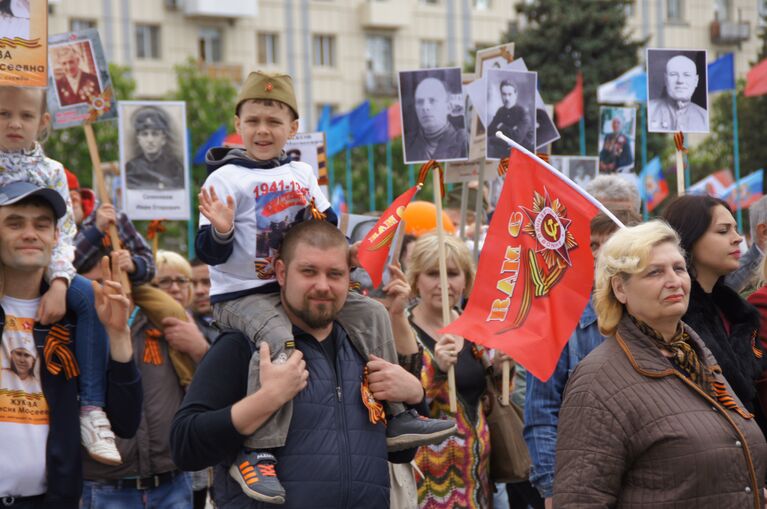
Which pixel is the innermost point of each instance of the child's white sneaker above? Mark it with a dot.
(98, 438)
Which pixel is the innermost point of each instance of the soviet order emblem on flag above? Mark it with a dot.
(536, 269)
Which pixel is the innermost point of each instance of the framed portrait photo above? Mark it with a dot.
(510, 109)
(677, 91)
(81, 88)
(617, 135)
(581, 169)
(433, 115)
(154, 162)
(24, 43)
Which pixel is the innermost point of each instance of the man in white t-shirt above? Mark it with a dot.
(40, 462)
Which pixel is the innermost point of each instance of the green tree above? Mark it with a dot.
(717, 150)
(562, 37)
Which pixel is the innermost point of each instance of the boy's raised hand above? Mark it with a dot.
(220, 215)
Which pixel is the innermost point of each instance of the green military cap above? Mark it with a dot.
(269, 86)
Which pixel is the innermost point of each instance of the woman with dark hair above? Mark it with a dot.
(726, 323)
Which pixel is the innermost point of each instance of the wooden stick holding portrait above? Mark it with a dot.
(443, 284)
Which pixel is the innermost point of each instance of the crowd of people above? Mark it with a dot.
(253, 377)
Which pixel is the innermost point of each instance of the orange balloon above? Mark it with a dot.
(421, 217)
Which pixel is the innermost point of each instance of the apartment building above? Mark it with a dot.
(338, 51)
(343, 51)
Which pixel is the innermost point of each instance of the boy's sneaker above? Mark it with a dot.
(408, 430)
(97, 437)
(254, 471)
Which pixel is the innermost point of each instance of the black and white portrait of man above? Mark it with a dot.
(677, 91)
(433, 120)
(510, 109)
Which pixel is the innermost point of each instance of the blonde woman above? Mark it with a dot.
(174, 276)
(456, 473)
(648, 420)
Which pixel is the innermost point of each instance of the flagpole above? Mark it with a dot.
(643, 118)
(190, 225)
(464, 200)
(349, 200)
(478, 209)
(582, 129)
(443, 284)
(736, 155)
(389, 174)
(331, 171)
(561, 176)
(371, 178)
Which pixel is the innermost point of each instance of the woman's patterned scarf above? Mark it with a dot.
(683, 354)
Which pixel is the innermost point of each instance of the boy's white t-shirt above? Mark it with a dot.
(267, 201)
(24, 414)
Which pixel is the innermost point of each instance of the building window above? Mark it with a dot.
(674, 10)
(630, 9)
(380, 65)
(76, 24)
(723, 10)
(147, 41)
(324, 50)
(268, 48)
(209, 42)
(481, 5)
(430, 54)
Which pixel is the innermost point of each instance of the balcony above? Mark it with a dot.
(231, 72)
(220, 8)
(729, 32)
(381, 85)
(387, 14)
(384, 85)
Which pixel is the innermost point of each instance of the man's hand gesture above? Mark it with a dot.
(220, 214)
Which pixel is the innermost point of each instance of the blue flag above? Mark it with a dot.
(749, 190)
(721, 74)
(337, 135)
(324, 122)
(629, 87)
(653, 185)
(375, 131)
(215, 140)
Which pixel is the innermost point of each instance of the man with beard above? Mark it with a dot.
(675, 111)
(335, 454)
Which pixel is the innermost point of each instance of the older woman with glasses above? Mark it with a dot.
(174, 276)
(648, 420)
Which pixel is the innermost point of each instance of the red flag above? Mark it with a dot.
(756, 80)
(374, 249)
(570, 109)
(536, 269)
(395, 121)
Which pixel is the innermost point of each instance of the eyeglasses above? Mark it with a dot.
(166, 282)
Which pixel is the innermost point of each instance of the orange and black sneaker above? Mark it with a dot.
(256, 475)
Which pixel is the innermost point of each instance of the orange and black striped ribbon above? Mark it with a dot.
(316, 213)
(757, 351)
(428, 166)
(727, 401)
(152, 353)
(376, 412)
(679, 142)
(57, 356)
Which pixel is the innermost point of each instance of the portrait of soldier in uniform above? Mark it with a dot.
(157, 165)
(74, 84)
(677, 91)
(515, 115)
